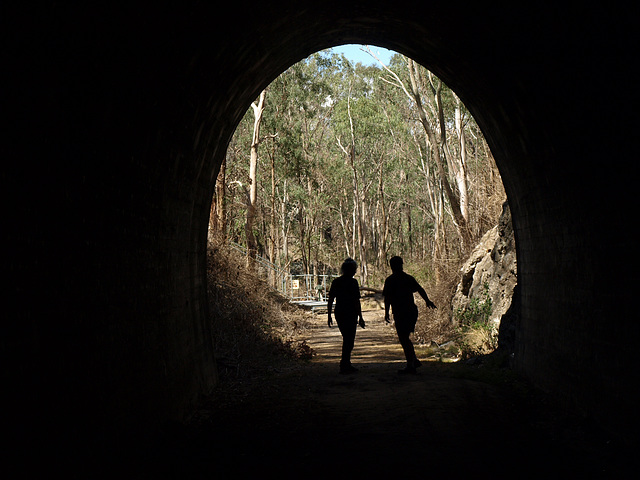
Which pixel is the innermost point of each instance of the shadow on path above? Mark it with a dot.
(308, 421)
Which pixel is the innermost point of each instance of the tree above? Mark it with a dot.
(351, 155)
(413, 92)
(217, 216)
(258, 109)
(365, 162)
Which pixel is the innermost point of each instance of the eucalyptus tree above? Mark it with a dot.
(362, 161)
(300, 113)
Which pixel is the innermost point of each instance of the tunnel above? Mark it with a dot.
(119, 119)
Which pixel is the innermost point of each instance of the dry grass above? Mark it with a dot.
(254, 327)
(436, 325)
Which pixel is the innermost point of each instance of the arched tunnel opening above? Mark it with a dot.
(120, 120)
(302, 218)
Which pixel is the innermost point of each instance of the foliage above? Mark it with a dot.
(343, 147)
(476, 314)
(477, 335)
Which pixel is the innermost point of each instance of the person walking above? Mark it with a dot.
(345, 291)
(398, 295)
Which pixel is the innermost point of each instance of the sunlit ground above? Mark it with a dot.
(376, 343)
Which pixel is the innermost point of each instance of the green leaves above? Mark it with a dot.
(317, 113)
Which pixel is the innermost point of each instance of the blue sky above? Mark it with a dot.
(355, 54)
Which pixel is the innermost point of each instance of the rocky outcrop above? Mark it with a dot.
(489, 276)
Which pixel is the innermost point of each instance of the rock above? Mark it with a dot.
(490, 272)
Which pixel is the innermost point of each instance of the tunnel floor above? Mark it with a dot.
(305, 420)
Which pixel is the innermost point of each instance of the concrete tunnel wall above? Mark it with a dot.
(121, 119)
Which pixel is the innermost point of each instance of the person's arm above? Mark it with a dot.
(330, 308)
(387, 304)
(386, 311)
(423, 294)
(361, 322)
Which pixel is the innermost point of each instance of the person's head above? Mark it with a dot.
(349, 267)
(396, 264)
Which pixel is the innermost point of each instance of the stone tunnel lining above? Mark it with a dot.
(134, 112)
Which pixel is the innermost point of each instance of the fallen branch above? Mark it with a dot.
(369, 289)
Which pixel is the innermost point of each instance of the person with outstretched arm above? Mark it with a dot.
(345, 291)
(398, 291)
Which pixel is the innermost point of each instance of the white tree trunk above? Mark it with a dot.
(258, 109)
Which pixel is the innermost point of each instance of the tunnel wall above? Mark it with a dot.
(121, 119)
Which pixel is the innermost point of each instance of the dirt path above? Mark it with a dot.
(308, 421)
(375, 344)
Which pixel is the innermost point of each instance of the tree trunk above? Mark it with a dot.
(461, 170)
(384, 230)
(272, 222)
(284, 226)
(258, 109)
(217, 215)
(459, 220)
(351, 154)
(345, 232)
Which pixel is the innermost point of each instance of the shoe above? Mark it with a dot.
(410, 370)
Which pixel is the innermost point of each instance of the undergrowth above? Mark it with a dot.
(478, 335)
(468, 330)
(254, 328)
(435, 325)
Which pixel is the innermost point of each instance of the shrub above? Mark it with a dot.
(476, 314)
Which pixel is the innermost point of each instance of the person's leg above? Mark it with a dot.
(348, 341)
(409, 351)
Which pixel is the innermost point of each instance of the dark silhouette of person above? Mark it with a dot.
(346, 292)
(398, 295)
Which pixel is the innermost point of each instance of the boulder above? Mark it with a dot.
(490, 273)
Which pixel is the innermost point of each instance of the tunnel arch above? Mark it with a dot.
(530, 145)
(133, 110)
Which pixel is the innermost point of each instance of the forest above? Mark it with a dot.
(337, 160)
